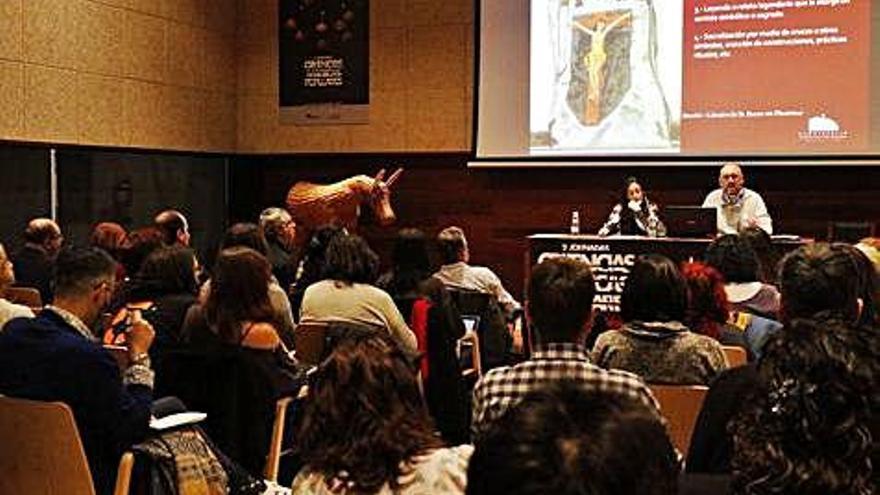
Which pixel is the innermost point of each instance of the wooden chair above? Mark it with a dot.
(26, 296)
(680, 405)
(42, 452)
(471, 339)
(309, 339)
(273, 460)
(736, 356)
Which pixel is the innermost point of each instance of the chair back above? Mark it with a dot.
(235, 387)
(492, 330)
(42, 451)
(472, 368)
(736, 356)
(26, 296)
(308, 341)
(680, 405)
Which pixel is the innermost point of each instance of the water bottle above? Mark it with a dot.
(575, 223)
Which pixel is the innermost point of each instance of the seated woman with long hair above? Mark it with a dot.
(654, 343)
(812, 427)
(249, 235)
(347, 294)
(235, 335)
(366, 430)
(237, 309)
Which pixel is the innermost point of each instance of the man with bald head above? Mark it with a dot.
(174, 227)
(738, 207)
(34, 264)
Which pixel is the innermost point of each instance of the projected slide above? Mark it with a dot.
(699, 76)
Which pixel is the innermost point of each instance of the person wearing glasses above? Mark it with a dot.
(738, 207)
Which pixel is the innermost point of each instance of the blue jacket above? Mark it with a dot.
(47, 359)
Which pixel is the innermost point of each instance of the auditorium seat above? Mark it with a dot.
(308, 341)
(680, 405)
(237, 391)
(736, 356)
(474, 371)
(314, 341)
(42, 451)
(26, 296)
(492, 330)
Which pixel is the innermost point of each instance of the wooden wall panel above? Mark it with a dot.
(499, 208)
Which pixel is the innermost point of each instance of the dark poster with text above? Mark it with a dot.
(324, 54)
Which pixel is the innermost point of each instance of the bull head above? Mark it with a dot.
(380, 196)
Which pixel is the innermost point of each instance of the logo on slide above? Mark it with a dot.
(823, 128)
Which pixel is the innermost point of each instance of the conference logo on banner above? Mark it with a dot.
(323, 60)
(610, 270)
(823, 128)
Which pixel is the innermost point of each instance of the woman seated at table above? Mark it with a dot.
(634, 214)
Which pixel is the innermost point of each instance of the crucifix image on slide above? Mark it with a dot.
(597, 27)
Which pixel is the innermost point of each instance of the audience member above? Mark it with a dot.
(366, 429)
(869, 314)
(871, 248)
(55, 357)
(456, 273)
(280, 231)
(734, 257)
(163, 291)
(768, 256)
(560, 312)
(346, 295)
(9, 310)
(311, 268)
(34, 264)
(234, 334)
(141, 242)
(111, 237)
(818, 282)
(654, 343)
(565, 441)
(237, 309)
(411, 265)
(174, 227)
(814, 428)
(250, 236)
(709, 312)
(410, 283)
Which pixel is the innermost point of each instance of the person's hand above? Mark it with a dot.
(752, 222)
(139, 335)
(635, 206)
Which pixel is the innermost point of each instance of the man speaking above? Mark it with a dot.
(738, 207)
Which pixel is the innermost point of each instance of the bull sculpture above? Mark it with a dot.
(314, 205)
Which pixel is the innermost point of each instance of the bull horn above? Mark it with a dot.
(396, 175)
(379, 176)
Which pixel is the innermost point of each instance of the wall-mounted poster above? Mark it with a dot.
(324, 61)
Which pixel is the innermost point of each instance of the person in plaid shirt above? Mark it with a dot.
(560, 310)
